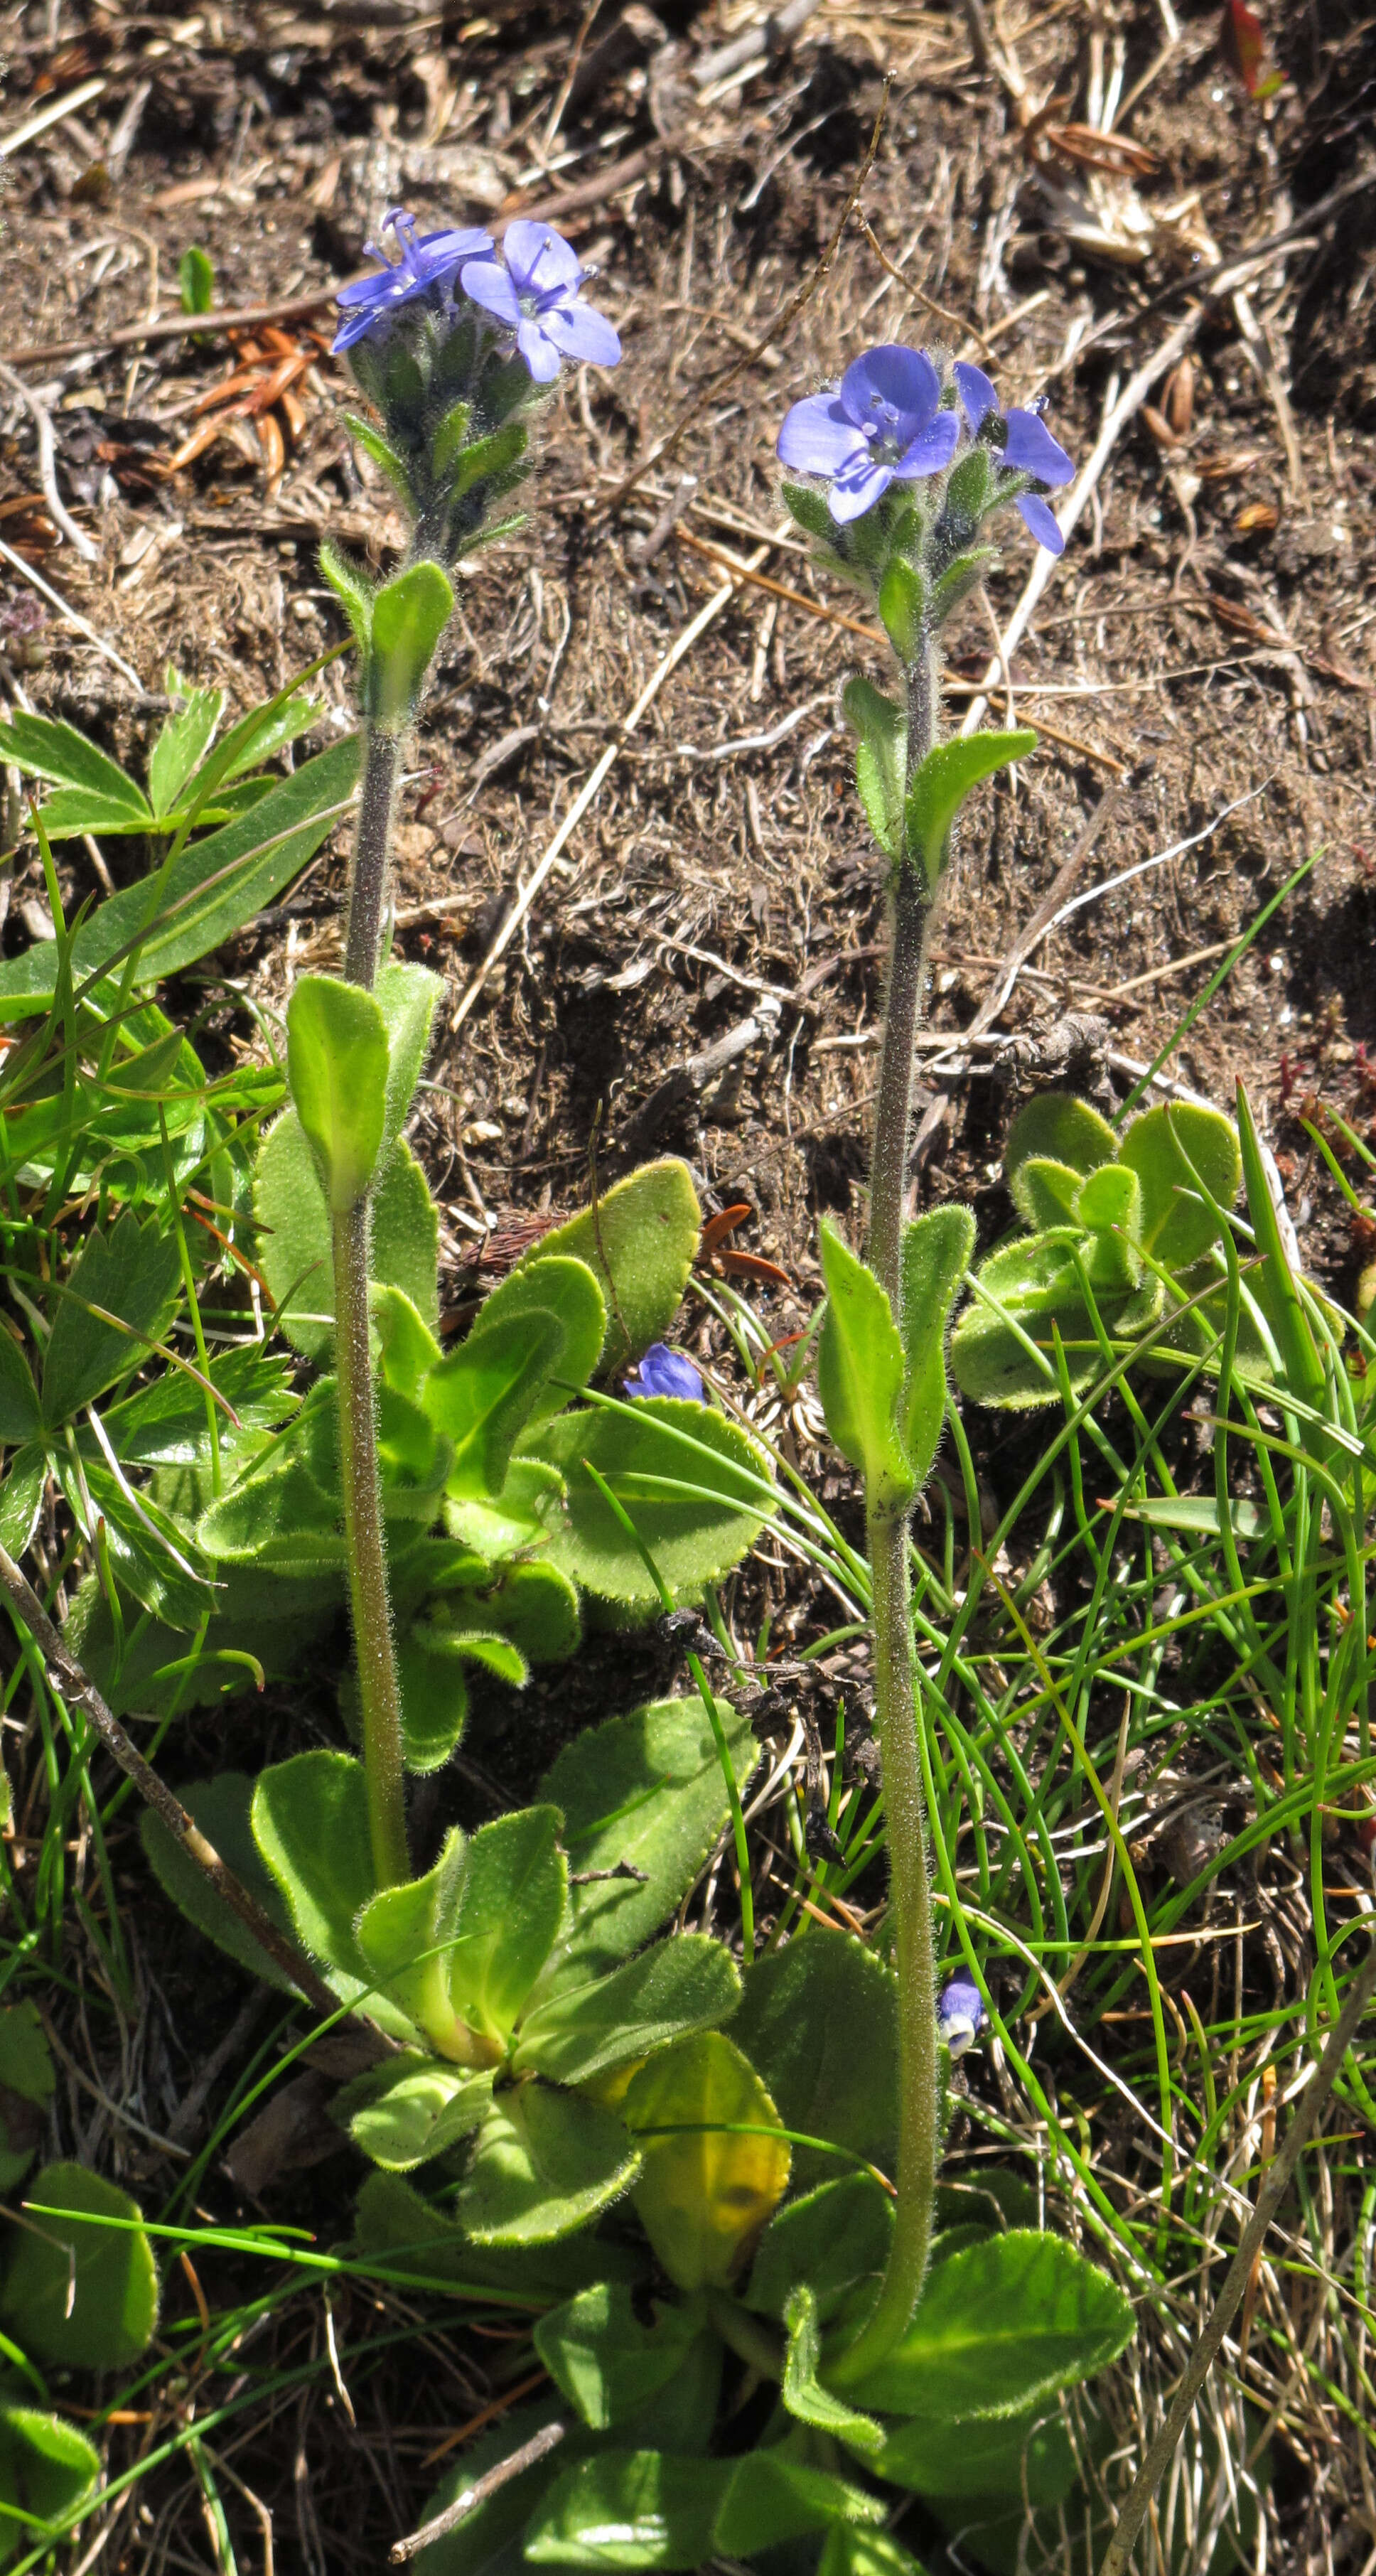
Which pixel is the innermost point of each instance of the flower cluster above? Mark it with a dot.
(892, 419)
(531, 290)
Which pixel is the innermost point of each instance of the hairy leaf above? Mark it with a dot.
(639, 1242)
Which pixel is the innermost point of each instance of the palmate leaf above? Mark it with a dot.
(207, 894)
(43, 748)
(119, 1296)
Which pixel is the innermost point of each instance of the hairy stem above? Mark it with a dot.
(372, 845)
(894, 1669)
(358, 1467)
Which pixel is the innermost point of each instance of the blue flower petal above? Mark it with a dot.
(818, 438)
(932, 450)
(1037, 515)
(852, 494)
(891, 377)
(1031, 449)
(540, 260)
(665, 1372)
(487, 283)
(977, 395)
(581, 333)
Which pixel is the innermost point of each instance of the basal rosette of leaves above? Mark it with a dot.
(496, 1530)
(1129, 1248)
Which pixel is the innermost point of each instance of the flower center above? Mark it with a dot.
(884, 430)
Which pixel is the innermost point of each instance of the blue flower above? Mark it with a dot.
(882, 423)
(536, 295)
(960, 2013)
(425, 260)
(665, 1372)
(1028, 448)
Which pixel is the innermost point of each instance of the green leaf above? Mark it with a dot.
(27, 2084)
(695, 1486)
(221, 1808)
(810, 510)
(21, 1499)
(353, 588)
(395, 2224)
(774, 2497)
(819, 2021)
(1037, 1288)
(835, 2239)
(295, 1250)
(408, 1347)
(645, 1791)
(42, 748)
(936, 1256)
(47, 2469)
(604, 2360)
(488, 460)
(638, 1242)
(1177, 1227)
(1029, 2453)
(412, 2108)
(1044, 1191)
(384, 456)
(716, 2160)
(434, 1698)
(1000, 2327)
(410, 614)
(544, 2163)
(585, 2030)
(498, 1528)
(310, 1822)
(903, 608)
(487, 1914)
(449, 438)
(947, 776)
(567, 1289)
(1110, 1198)
(407, 997)
(337, 1068)
(1062, 1129)
(954, 586)
(860, 1373)
(482, 1395)
(635, 2509)
(184, 740)
(206, 895)
(20, 1413)
(79, 2295)
(803, 2392)
(881, 758)
(1284, 1313)
(534, 1605)
(119, 1297)
(196, 278)
(486, 2539)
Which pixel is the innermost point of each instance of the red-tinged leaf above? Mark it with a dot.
(1247, 53)
(749, 1265)
(716, 1228)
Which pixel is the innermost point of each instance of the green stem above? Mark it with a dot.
(363, 1530)
(372, 847)
(895, 1696)
(358, 1464)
